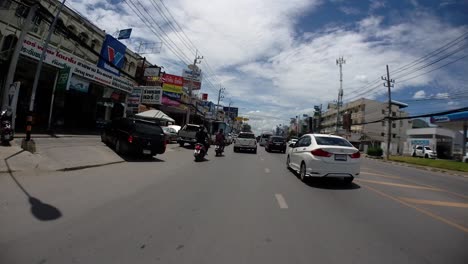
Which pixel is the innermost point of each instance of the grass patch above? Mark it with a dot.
(442, 164)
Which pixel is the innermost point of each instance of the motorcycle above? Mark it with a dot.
(199, 152)
(219, 150)
(6, 131)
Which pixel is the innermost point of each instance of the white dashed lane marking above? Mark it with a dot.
(281, 201)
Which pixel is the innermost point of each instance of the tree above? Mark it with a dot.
(246, 128)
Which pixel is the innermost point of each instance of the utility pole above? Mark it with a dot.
(194, 69)
(229, 110)
(339, 62)
(220, 98)
(389, 85)
(27, 144)
(16, 53)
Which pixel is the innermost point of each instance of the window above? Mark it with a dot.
(131, 66)
(71, 29)
(277, 139)
(332, 141)
(394, 125)
(37, 20)
(383, 123)
(394, 135)
(9, 42)
(383, 111)
(59, 26)
(382, 134)
(304, 142)
(83, 37)
(246, 135)
(22, 11)
(401, 122)
(95, 44)
(393, 113)
(5, 4)
(147, 128)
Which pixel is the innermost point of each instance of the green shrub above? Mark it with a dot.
(375, 151)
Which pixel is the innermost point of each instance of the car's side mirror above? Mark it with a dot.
(291, 145)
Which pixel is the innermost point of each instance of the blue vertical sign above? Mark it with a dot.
(112, 51)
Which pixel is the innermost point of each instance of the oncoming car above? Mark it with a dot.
(319, 155)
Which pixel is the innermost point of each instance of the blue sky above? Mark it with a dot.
(276, 59)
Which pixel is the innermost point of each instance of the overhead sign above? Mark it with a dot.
(125, 33)
(32, 48)
(79, 84)
(205, 97)
(152, 72)
(172, 83)
(191, 75)
(231, 111)
(194, 84)
(63, 79)
(151, 95)
(174, 96)
(114, 52)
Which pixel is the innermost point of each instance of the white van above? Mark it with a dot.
(264, 138)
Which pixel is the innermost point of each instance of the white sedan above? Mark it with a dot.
(319, 155)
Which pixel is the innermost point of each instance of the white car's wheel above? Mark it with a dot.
(302, 172)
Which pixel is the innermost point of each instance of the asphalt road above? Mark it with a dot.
(240, 208)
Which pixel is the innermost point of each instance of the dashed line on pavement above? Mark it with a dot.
(281, 201)
(380, 175)
(436, 203)
(267, 170)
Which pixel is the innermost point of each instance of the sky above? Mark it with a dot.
(277, 59)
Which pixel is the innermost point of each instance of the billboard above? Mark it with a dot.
(232, 112)
(112, 51)
(151, 95)
(125, 33)
(172, 83)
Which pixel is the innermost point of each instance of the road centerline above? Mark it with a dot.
(281, 201)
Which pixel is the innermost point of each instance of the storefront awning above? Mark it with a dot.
(155, 114)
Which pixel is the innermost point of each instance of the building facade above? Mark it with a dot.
(73, 92)
(362, 130)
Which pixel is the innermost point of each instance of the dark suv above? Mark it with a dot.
(134, 136)
(276, 143)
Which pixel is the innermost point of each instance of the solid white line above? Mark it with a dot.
(281, 201)
(267, 170)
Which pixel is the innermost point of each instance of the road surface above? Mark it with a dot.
(240, 208)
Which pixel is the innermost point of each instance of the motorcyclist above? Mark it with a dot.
(220, 139)
(202, 138)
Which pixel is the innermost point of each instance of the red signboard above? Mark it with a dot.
(195, 85)
(172, 79)
(205, 97)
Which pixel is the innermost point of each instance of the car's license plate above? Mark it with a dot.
(340, 157)
(277, 144)
(146, 151)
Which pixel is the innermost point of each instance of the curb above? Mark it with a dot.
(90, 166)
(427, 168)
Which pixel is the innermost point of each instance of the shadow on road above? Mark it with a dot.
(331, 184)
(41, 211)
(141, 159)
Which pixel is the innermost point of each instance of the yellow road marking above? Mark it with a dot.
(434, 216)
(437, 203)
(399, 185)
(380, 175)
(418, 183)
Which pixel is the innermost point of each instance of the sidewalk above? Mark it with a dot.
(57, 153)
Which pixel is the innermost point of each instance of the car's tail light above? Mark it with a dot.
(321, 153)
(197, 147)
(130, 139)
(355, 155)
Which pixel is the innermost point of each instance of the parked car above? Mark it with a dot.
(465, 158)
(188, 134)
(277, 143)
(175, 127)
(245, 141)
(134, 136)
(319, 155)
(424, 152)
(171, 134)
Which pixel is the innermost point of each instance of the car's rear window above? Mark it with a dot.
(428, 148)
(266, 136)
(192, 128)
(246, 135)
(332, 141)
(278, 139)
(147, 129)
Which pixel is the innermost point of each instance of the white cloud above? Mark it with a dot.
(376, 4)
(442, 95)
(419, 94)
(348, 10)
(267, 63)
